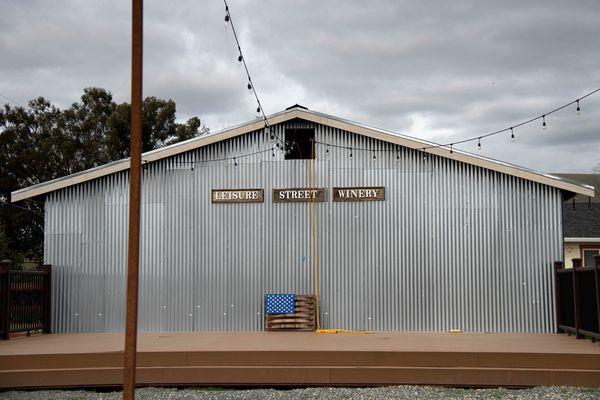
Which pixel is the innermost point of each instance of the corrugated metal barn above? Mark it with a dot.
(457, 241)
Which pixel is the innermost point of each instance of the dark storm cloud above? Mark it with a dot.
(437, 70)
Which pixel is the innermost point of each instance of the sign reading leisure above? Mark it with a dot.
(298, 195)
(220, 196)
(372, 193)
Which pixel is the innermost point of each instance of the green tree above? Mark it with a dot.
(41, 142)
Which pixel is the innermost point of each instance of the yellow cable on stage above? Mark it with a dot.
(341, 331)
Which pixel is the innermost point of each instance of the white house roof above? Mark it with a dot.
(313, 116)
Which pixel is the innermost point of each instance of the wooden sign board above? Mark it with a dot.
(370, 193)
(298, 195)
(222, 196)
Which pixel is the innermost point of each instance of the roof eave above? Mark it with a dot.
(442, 151)
(194, 143)
(150, 156)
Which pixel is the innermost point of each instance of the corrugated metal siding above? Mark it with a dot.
(452, 246)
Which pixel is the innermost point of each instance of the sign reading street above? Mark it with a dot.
(298, 195)
(220, 196)
(375, 193)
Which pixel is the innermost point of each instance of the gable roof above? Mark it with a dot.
(312, 116)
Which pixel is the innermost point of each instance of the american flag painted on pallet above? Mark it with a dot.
(279, 303)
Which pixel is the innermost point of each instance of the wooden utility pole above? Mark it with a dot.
(134, 200)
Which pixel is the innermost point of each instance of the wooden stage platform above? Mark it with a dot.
(290, 359)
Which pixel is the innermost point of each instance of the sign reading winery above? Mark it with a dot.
(220, 196)
(376, 193)
(298, 195)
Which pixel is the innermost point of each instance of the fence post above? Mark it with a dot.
(5, 298)
(597, 282)
(557, 266)
(576, 265)
(47, 297)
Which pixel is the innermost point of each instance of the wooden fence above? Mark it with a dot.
(578, 298)
(24, 300)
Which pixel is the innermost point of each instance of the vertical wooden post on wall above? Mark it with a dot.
(558, 265)
(47, 297)
(576, 266)
(5, 298)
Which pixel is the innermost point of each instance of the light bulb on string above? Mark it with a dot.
(192, 167)
(479, 144)
(543, 121)
(249, 86)
(350, 149)
(273, 152)
(327, 150)
(398, 155)
(512, 135)
(578, 108)
(374, 156)
(269, 131)
(451, 151)
(226, 19)
(235, 164)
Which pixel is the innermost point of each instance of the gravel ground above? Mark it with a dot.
(381, 393)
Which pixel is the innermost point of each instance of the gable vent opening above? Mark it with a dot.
(301, 141)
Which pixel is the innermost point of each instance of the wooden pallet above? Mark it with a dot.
(302, 320)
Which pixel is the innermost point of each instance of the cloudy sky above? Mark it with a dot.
(441, 70)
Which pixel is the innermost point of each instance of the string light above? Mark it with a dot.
(260, 109)
(4, 203)
(270, 131)
(242, 61)
(288, 149)
(542, 117)
(578, 108)
(543, 121)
